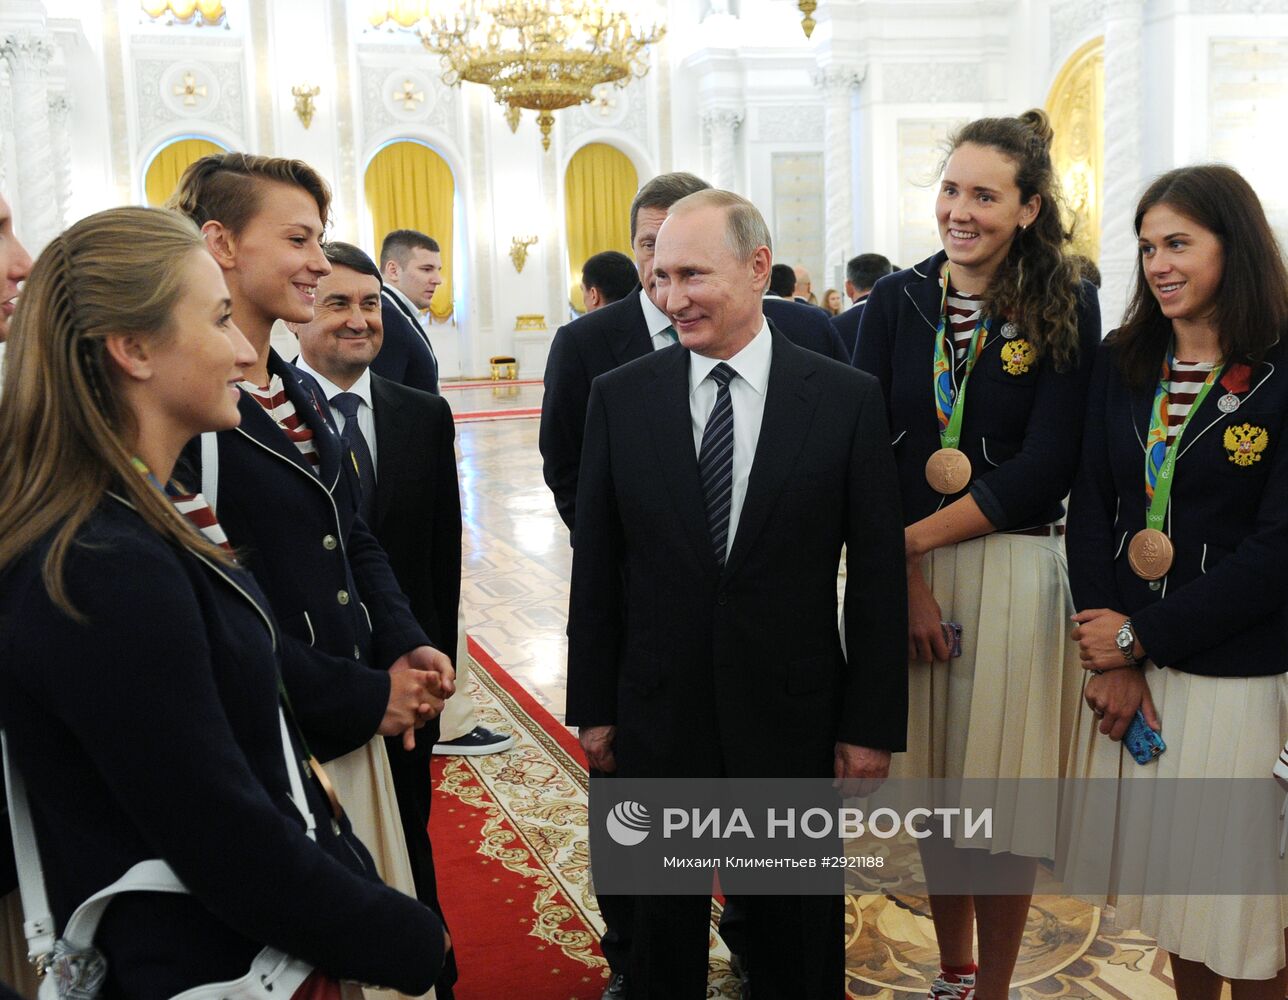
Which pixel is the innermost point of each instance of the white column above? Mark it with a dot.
(60, 142)
(28, 56)
(1124, 125)
(838, 83)
(721, 125)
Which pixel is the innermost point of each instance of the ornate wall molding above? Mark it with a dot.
(721, 127)
(932, 82)
(789, 123)
(624, 109)
(1071, 22)
(211, 90)
(388, 101)
(28, 56)
(1239, 6)
(60, 109)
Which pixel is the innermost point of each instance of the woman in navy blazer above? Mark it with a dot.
(982, 538)
(1197, 638)
(139, 666)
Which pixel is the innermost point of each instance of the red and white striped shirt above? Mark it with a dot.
(1184, 383)
(278, 405)
(193, 506)
(963, 316)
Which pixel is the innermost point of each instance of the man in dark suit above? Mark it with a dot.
(861, 273)
(602, 340)
(402, 442)
(801, 323)
(720, 479)
(412, 269)
(606, 278)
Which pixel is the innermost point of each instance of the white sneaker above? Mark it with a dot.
(960, 987)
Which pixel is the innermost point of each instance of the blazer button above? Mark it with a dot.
(357, 653)
(722, 600)
(342, 597)
(329, 542)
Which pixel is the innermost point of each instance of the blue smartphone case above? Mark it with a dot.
(1142, 742)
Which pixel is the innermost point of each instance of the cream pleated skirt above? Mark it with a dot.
(1214, 728)
(1005, 708)
(365, 787)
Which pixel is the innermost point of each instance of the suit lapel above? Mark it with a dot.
(389, 443)
(789, 409)
(666, 410)
(1210, 413)
(629, 338)
(412, 318)
(309, 409)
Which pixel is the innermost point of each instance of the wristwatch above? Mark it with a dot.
(1126, 641)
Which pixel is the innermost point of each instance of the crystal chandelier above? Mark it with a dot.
(538, 55)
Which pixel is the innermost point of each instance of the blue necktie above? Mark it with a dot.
(715, 462)
(355, 445)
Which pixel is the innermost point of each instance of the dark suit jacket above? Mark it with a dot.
(695, 664)
(847, 326)
(1221, 610)
(806, 326)
(325, 574)
(1022, 432)
(158, 735)
(405, 356)
(418, 504)
(588, 346)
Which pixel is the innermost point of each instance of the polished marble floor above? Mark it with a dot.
(515, 572)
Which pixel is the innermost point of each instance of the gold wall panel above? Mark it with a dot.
(1076, 105)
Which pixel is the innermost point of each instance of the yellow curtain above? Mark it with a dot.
(409, 186)
(169, 164)
(598, 187)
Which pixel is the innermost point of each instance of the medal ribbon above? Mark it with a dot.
(949, 410)
(1160, 460)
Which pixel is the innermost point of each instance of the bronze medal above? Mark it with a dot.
(1150, 554)
(948, 471)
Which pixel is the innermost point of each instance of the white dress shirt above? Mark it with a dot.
(747, 395)
(366, 412)
(657, 321)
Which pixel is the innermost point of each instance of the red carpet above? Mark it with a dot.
(500, 825)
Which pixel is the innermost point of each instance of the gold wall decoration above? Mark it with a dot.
(1076, 105)
(190, 90)
(807, 8)
(409, 95)
(519, 250)
(191, 12)
(304, 106)
(529, 322)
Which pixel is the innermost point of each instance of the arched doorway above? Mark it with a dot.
(168, 163)
(599, 185)
(409, 186)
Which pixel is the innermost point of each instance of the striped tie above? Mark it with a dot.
(670, 334)
(715, 462)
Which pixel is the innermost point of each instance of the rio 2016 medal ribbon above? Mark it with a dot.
(1150, 553)
(948, 470)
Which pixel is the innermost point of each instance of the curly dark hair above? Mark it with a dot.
(1038, 285)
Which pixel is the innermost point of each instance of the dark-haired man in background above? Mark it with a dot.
(606, 278)
(802, 323)
(412, 268)
(861, 273)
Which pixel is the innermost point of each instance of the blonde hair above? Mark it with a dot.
(64, 429)
(745, 229)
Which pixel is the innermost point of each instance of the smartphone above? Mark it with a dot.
(1142, 742)
(953, 637)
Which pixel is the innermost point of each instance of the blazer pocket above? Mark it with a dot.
(300, 627)
(811, 675)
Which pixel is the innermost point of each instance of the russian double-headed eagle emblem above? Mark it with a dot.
(1017, 356)
(1245, 443)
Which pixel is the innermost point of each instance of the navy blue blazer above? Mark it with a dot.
(588, 346)
(325, 574)
(1022, 432)
(150, 729)
(806, 326)
(1221, 609)
(847, 326)
(405, 355)
(705, 656)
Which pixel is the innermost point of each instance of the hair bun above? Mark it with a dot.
(1039, 123)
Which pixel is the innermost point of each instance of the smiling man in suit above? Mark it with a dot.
(401, 441)
(720, 479)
